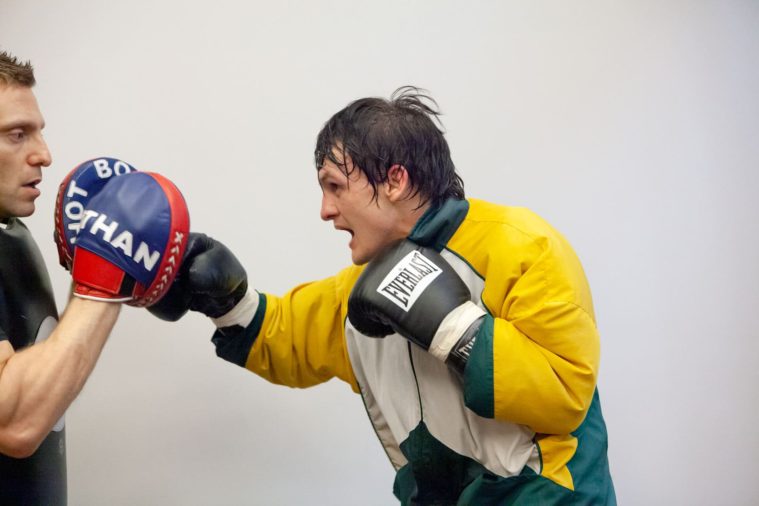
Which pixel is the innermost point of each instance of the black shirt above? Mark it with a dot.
(27, 315)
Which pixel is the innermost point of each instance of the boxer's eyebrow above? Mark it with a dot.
(324, 174)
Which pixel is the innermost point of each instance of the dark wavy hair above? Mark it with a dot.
(377, 134)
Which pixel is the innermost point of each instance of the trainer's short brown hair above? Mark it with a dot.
(13, 71)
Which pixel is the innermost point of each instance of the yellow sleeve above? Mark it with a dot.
(536, 357)
(301, 341)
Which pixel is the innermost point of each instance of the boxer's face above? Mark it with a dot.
(348, 201)
(23, 151)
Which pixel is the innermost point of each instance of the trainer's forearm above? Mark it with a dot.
(38, 384)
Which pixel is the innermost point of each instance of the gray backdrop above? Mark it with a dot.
(632, 126)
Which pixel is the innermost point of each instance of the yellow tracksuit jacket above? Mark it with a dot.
(523, 426)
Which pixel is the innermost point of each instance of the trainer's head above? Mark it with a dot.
(23, 151)
(404, 166)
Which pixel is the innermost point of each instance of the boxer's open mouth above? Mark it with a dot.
(344, 230)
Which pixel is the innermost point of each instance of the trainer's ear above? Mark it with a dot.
(398, 186)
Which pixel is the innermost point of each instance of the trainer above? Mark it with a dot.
(44, 363)
(467, 327)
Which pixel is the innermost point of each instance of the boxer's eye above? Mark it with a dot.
(331, 186)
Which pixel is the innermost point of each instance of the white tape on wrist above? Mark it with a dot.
(242, 314)
(101, 299)
(452, 328)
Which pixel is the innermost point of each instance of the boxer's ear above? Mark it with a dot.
(398, 184)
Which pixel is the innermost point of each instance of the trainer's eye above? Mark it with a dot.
(17, 135)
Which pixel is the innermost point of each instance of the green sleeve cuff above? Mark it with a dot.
(478, 374)
(234, 343)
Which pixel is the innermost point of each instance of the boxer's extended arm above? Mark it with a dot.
(38, 384)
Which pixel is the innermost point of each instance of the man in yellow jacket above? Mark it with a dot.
(467, 327)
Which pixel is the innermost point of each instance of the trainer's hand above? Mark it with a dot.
(211, 281)
(132, 237)
(413, 290)
(74, 193)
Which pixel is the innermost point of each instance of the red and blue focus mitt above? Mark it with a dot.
(131, 240)
(74, 193)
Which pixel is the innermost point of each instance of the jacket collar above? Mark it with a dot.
(438, 224)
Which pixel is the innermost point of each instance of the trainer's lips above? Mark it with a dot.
(32, 186)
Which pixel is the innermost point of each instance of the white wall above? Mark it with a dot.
(632, 126)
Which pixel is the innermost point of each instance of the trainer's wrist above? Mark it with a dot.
(243, 312)
(86, 292)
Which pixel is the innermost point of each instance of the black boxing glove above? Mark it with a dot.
(211, 281)
(413, 290)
